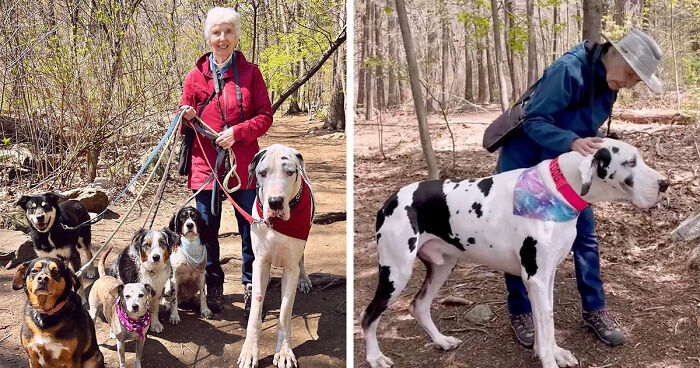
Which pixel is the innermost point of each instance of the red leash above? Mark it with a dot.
(245, 214)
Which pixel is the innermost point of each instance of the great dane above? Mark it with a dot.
(284, 210)
(439, 221)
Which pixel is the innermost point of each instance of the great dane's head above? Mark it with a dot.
(617, 171)
(279, 171)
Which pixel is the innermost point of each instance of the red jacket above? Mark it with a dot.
(257, 114)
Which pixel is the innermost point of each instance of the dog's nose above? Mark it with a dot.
(42, 278)
(156, 257)
(135, 308)
(189, 226)
(663, 185)
(276, 203)
(40, 217)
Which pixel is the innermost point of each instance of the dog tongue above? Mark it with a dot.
(41, 226)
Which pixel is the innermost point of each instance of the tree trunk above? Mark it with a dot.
(414, 75)
(555, 20)
(492, 76)
(513, 66)
(381, 101)
(444, 98)
(336, 111)
(619, 14)
(360, 67)
(468, 77)
(484, 96)
(369, 100)
(531, 45)
(502, 86)
(591, 19)
(254, 5)
(392, 99)
(431, 71)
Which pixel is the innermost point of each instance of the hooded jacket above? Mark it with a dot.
(257, 116)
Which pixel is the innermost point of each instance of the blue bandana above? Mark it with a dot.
(532, 199)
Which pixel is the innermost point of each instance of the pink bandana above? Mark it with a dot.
(133, 325)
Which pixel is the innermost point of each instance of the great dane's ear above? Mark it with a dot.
(22, 202)
(302, 165)
(20, 276)
(54, 197)
(253, 164)
(597, 163)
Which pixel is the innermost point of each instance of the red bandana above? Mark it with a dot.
(299, 224)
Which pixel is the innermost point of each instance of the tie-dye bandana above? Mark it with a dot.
(532, 199)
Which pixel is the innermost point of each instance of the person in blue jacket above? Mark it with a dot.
(564, 113)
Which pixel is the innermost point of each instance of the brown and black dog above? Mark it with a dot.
(57, 330)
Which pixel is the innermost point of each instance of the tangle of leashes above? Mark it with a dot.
(170, 138)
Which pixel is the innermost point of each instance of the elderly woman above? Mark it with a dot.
(229, 95)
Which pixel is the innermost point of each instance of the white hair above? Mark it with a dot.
(219, 15)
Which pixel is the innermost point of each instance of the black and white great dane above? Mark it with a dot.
(284, 210)
(439, 221)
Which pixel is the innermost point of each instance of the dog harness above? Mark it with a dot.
(300, 214)
(133, 325)
(532, 198)
(188, 250)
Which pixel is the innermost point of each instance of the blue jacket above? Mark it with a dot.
(560, 110)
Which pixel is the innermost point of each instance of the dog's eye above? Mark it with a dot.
(140, 295)
(290, 172)
(263, 173)
(34, 271)
(630, 163)
(127, 297)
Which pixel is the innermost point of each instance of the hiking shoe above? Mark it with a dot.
(604, 326)
(215, 298)
(524, 329)
(247, 296)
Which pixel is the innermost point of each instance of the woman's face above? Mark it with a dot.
(222, 40)
(620, 75)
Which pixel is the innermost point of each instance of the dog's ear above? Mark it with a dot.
(150, 290)
(597, 163)
(22, 202)
(173, 221)
(172, 237)
(53, 198)
(120, 289)
(202, 228)
(72, 279)
(20, 276)
(137, 238)
(302, 166)
(253, 164)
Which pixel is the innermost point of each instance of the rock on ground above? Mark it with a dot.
(15, 248)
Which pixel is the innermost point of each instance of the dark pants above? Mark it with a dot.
(214, 274)
(587, 263)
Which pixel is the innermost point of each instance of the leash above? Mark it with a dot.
(99, 216)
(170, 138)
(155, 203)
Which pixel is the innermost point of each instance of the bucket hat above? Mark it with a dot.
(643, 54)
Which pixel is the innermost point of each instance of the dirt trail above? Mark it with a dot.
(650, 291)
(316, 319)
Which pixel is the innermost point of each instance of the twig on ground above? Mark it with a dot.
(5, 338)
(465, 329)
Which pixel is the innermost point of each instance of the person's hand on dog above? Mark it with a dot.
(225, 139)
(586, 146)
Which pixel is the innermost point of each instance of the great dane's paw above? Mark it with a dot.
(284, 358)
(304, 285)
(564, 357)
(448, 342)
(380, 361)
(174, 319)
(206, 313)
(249, 355)
(156, 326)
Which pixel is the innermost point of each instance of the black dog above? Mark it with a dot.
(46, 217)
(57, 330)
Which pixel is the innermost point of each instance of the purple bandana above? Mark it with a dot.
(133, 325)
(532, 199)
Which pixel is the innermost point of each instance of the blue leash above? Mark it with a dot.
(143, 168)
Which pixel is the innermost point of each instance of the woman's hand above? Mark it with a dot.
(586, 146)
(189, 112)
(225, 140)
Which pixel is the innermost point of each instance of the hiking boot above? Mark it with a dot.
(524, 329)
(215, 298)
(247, 296)
(604, 326)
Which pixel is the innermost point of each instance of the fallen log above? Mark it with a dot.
(689, 229)
(330, 217)
(652, 116)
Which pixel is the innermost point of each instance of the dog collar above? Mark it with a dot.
(137, 325)
(564, 188)
(53, 310)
